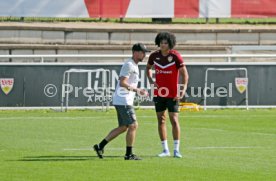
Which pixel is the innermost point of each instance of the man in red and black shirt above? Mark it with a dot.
(168, 64)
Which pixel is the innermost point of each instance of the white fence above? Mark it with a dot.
(228, 57)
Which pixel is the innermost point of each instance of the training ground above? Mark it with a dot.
(216, 145)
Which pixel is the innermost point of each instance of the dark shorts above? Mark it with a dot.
(163, 103)
(126, 115)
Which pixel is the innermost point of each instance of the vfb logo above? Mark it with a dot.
(6, 85)
(241, 84)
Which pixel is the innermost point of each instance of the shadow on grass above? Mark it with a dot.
(62, 158)
(69, 158)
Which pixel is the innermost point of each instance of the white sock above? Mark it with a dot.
(176, 145)
(165, 145)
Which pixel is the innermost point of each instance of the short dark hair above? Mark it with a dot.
(170, 37)
(140, 47)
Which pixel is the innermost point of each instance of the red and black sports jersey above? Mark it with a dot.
(166, 72)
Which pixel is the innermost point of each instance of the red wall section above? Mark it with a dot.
(107, 8)
(186, 8)
(253, 8)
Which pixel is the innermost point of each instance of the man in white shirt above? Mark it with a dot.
(123, 99)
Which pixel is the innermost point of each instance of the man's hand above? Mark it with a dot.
(155, 85)
(142, 92)
(177, 98)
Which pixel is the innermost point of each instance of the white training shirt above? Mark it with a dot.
(121, 95)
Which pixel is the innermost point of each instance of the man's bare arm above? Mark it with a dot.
(124, 83)
(149, 75)
(185, 79)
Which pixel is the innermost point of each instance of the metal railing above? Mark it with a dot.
(228, 57)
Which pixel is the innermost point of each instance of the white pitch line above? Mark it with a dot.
(223, 147)
(67, 117)
(194, 148)
(211, 129)
(265, 134)
(73, 118)
(90, 149)
(223, 130)
(77, 149)
(108, 117)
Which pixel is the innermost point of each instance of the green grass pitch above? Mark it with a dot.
(216, 145)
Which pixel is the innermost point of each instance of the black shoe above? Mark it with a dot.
(99, 151)
(132, 157)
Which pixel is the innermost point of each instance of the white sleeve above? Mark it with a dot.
(125, 70)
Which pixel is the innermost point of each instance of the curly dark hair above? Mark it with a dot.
(169, 37)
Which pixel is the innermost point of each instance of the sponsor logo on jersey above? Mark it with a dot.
(157, 71)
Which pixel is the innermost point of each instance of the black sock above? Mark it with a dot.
(103, 143)
(129, 150)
